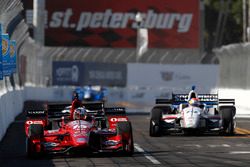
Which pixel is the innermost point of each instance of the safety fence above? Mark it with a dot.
(234, 66)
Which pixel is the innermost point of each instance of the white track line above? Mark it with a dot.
(239, 152)
(147, 155)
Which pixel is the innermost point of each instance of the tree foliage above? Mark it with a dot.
(231, 32)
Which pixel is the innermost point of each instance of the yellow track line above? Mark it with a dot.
(242, 131)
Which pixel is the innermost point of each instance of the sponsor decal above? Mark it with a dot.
(111, 142)
(6, 55)
(53, 131)
(50, 144)
(36, 112)
(170, 76)
(68, 74)
(202, 97)
(81, 139)
(167, 75)
(5, 47)
(79, 127)
(89, 73)
(34, 122)
(107, 75)
(118, 119)
(75, 73)
(1, 53)
(13, 56)
(113, 20)
(12, 51)
(212, 98)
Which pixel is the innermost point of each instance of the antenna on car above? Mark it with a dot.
(193, 87)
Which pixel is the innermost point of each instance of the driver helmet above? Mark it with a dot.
(75, 96)
(194, 102)
(80, 113)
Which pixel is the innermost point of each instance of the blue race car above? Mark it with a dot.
(92, 93)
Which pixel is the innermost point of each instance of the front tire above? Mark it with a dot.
(227, 115)
(155, 122)
(125, 130)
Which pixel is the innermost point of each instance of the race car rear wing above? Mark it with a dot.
(115, 111)
(55, 110)
(227, 101)
(204, 98)
(36, 113)
(163, 101)
(93, 106)
(209, 99)
(58, 110)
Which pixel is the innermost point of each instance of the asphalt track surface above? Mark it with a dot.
(175, 150)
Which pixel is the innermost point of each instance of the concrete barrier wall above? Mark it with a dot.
(241, 97)
(11, 104)
(172, 75)
(48, 94)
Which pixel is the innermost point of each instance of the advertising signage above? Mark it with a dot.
(13, 56)
(1, 63)
(88, 73)
(112, 23)
(6, 55)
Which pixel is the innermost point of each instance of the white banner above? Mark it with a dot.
(205, 77)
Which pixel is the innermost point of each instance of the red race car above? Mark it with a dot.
(94, 129)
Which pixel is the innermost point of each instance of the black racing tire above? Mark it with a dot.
(30, 149)
(36, 131)
(155, 122)
(94, 141)
(49, 126)
(125, 129)
(227, 115)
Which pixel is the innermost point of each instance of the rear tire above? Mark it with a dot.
(125, 130)
(30, 148)
(35, 132)
(227, 115)
(155, 122)
(94, 141)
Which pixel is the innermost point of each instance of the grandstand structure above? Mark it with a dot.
(128, 55)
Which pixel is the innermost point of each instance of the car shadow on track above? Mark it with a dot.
(85, 155)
